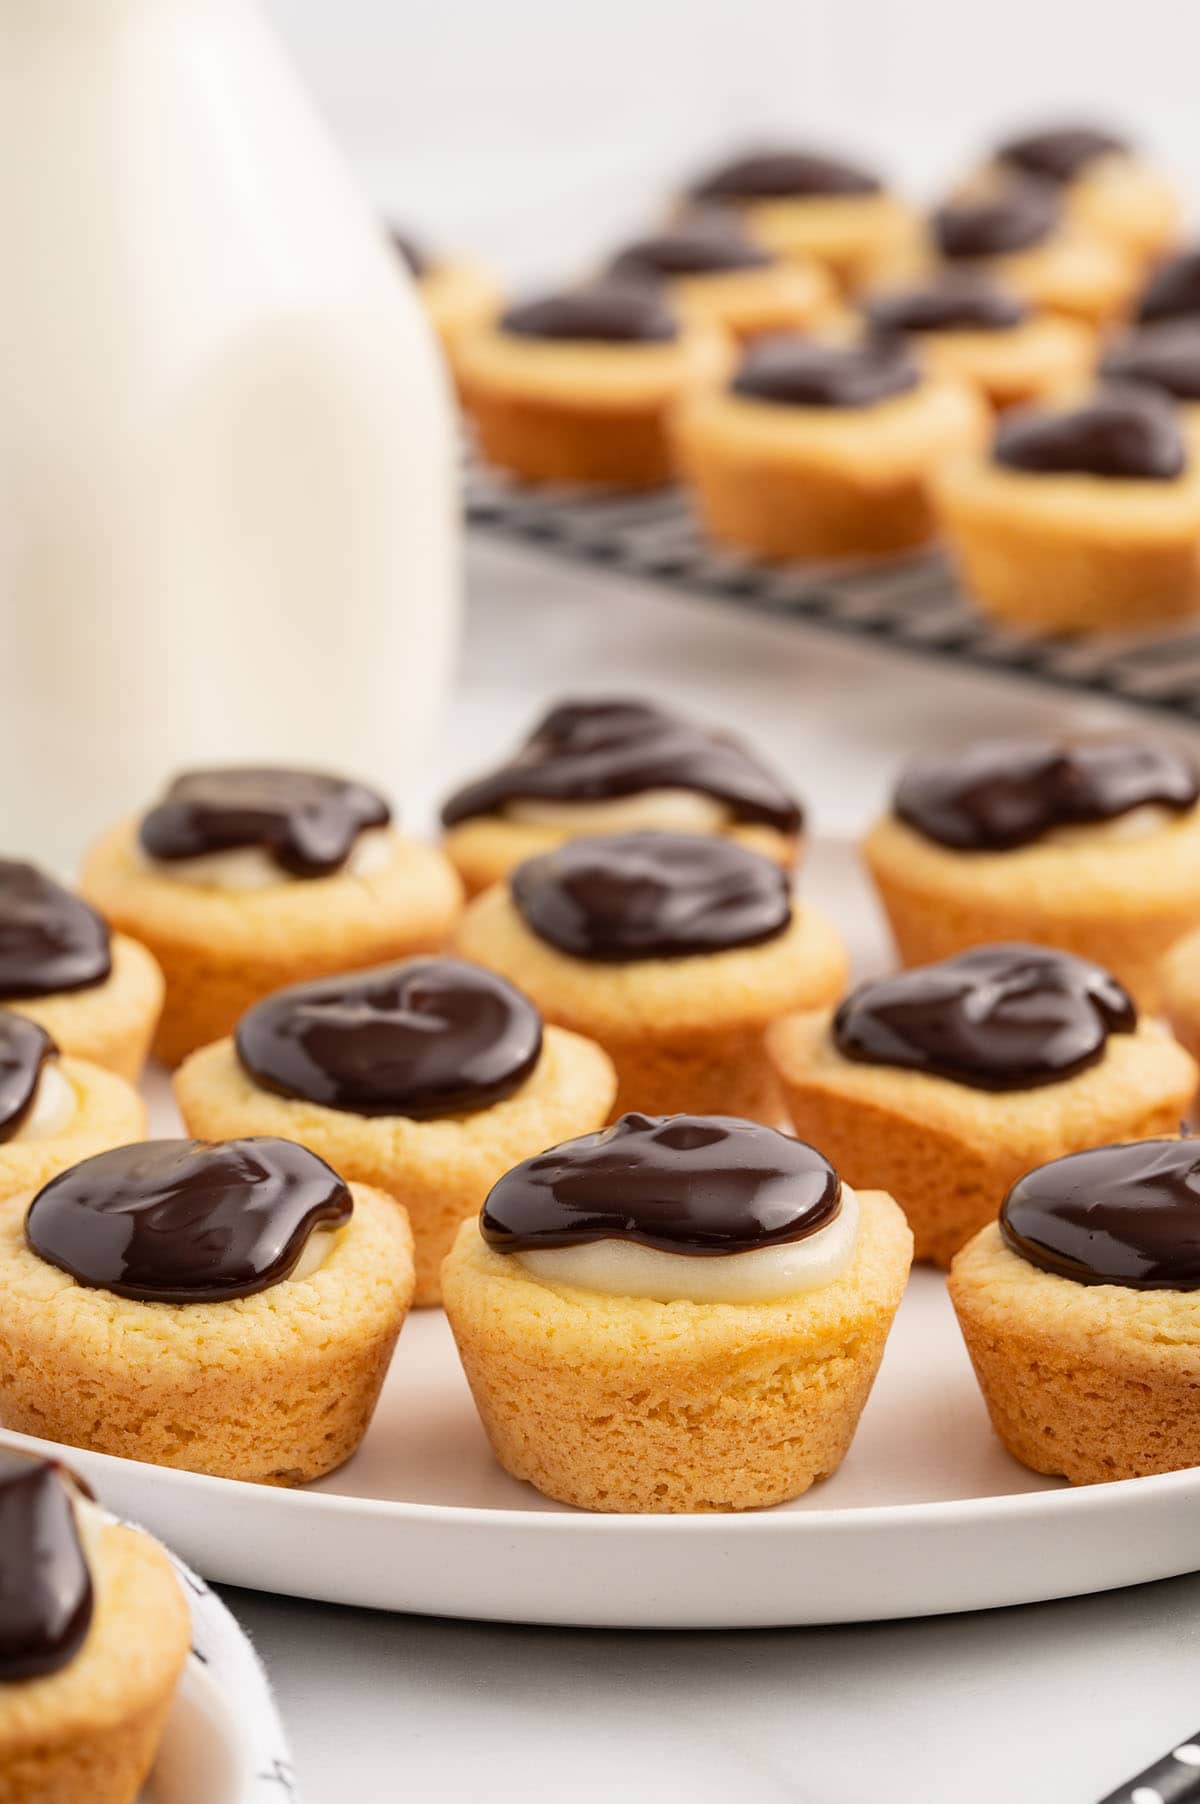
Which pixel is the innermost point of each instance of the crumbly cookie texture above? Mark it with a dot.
(108, 1112)
(623, 1404)
(683, 1033)
(1088, 1381)
(787, 482)
(488, 848)
(440, 1171)
(1068, 553)
(1121, 903)
(223, 950)
(949, 1153)
(113, 1023)
(90, 1731)
(277, 1388)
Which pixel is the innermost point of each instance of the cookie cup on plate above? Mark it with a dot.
(275, 1388)
(624, 1404)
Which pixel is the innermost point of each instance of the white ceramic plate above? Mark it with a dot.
(928, 1513)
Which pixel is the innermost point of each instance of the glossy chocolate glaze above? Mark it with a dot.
(998, 223)
(696, 1184)
(625, 896)
(601, 748)
(1130, 434)
(800, 372)
(1165, 356)
(1006, 1017)
(46, 1596)
(1127, 1215)
(24, 1049)
(691, 249)
(424, 1037)
(784, 174)
(1173, 291)
(997, 794)
(1060, 153)
(602, 313)
(411, 252)
(957, 300)
(306, 820)
(50, 940)
(186, 1221)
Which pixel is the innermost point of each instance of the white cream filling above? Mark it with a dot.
(317, 1251)
(621, 1268)
(53, 1109)
(669, 810)
(1138, 823)
(251, 867)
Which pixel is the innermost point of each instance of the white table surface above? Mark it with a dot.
(1051, 1704)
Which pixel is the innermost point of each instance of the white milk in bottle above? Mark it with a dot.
(228, 518)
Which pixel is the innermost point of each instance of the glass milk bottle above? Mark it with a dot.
(228, 518)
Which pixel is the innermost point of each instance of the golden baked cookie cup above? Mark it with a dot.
(625, 1404)
(222, 950)
(949, 1153)
(111, 1023)
(684, 1033)
(274, 1388)
(787, 481)
(439, 1170)
(108, 1112)
(586, 397)
(89, 1733)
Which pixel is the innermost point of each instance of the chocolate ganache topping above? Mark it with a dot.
(50, 940)
(424, 1037)
(24, 1049)
(186, 1221)
(692, 248)
(411, 252)
(1008, 1017)
(625, 896)
(604, 312)
(1126, 1215)
(957, 300)
(46, 1596)
(306, 820)
(996, 223)
(1165, 356)
(784, 174)
(1173, 291)
(1062, 152)
(697, 1184)
(1128, 433)
(1001, 793)
(593, 750)
(798, 372)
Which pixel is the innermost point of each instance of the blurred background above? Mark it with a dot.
(532, 131)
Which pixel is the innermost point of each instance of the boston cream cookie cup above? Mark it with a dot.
(612, 765)
(1081, 517)
(673, 951)
(426, 1079)
(94, 1638)
(824, 450)
(805, 205)
(946, 1083)
(675, 1315)
(56, 1111)
(244, 880)
(578, 387)
(967, 326)
(713, 271)
(97, 994)
(1106, 186)
(228, 1309)
(1080, 1312)
(1092, 846)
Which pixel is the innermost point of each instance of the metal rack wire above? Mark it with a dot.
(910, 604)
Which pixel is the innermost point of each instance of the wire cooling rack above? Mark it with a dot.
(911, 604)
